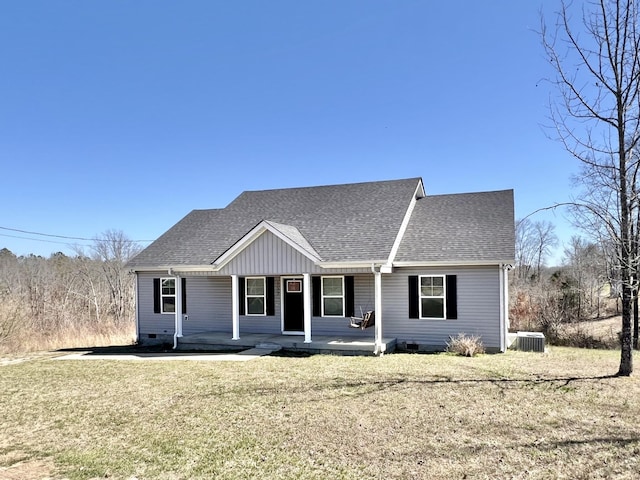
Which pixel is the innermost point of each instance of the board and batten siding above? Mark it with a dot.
(363, 298)
(478, 301)
(269, 255)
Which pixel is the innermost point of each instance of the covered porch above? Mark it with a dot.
(293, 343)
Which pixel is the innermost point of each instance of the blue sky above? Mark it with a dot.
(127, 115)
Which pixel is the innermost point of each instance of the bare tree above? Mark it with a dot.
(596, 117)
(113, 249)
(534, 241)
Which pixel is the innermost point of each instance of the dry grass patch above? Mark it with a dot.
(517, 415)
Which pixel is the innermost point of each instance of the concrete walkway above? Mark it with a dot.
(243, 356)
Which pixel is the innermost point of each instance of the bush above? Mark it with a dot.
(465, 346)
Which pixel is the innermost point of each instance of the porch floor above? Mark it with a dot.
(319, 343)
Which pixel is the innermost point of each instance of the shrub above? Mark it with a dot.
(467, 346)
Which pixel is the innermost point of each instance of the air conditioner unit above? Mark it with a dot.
(531, 341)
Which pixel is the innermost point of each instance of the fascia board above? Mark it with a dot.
(418, 193)
(167, 268)
(359, 264)
(467, 263)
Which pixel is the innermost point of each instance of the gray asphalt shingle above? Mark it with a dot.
(352, 222)
(461, 228)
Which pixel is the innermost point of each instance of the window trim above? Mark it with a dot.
(167, 295)
(263, 296)
(323, 296)
(443, 297)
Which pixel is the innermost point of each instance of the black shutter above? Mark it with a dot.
(414, 310)
(317, 296)
(156, 296)
(241, 294)
(271, 296)
(184, 295)
(452, 297)
(349, 300)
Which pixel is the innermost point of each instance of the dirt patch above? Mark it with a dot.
(28, 470)
(14, 359)
(592, 333)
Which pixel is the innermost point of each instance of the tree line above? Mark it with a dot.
(585, 286)
(46, 302)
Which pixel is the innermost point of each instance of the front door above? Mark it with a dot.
(293, 305)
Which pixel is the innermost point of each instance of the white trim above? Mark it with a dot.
(235, 308)
(467, 263)
(323, 296)
(504, 306)
(403, 227)
(306, 290)
(364, 264)
(264, 297)
(443, 296)
(380, 346)
(251, 236)
(174, 295)
(292, 281)
(137, 300)
(175, 268)
(283, 279)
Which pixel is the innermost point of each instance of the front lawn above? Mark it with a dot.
(517, 415)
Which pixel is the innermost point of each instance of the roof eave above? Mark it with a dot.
(453, 263)
(170, 268)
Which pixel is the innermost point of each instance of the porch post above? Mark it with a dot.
(235, 308)
(379, 346)
(306, 289)
(178, 312)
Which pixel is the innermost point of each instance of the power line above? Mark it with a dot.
(34, 239)
(56, 236)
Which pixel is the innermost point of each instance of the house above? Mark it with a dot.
(300, 262)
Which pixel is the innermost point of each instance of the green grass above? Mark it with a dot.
(517, 415)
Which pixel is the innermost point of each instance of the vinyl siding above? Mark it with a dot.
(270, 324)
(208, 306)
(149, 322)
(478, 307)
(364, 297)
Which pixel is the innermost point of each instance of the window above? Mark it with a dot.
(432, 297)
(255, 296)
(332, 297)
(168, 295)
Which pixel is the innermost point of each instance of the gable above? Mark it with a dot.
(269, 255)
(356, 222)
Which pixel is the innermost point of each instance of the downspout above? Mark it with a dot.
(136, 299)
(504, 306)
(503, 338)
(379, 348)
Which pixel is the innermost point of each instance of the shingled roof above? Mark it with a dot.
(356, 222)
(459, 229)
